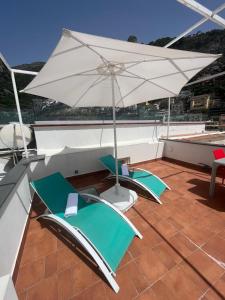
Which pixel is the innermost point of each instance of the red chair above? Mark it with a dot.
(219, 153)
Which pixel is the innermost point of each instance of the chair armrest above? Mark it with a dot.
(90, 197)
(140, 169)
(135, 169)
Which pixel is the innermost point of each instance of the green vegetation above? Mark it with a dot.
(208, 42)
(132, 39)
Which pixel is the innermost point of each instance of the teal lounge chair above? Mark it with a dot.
(99, 227)
(141, 178)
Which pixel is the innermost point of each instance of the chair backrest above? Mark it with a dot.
(218, 153)
(110, 163)
(53, 190)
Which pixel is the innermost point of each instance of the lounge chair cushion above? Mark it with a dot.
(150, 181)
(109, 162)
(104, 227)
(147, 179)
(54, 190)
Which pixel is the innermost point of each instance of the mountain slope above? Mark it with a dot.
(6, 90)
(208, 42)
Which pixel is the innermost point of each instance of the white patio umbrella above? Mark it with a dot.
(86, 71)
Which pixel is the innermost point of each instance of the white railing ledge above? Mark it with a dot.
(7, 289)
(92, 122)
(68, 150)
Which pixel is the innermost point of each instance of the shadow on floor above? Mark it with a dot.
(185, 259)
(74, 246)
(201, 189)
(38, 209)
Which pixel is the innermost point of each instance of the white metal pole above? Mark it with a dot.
(4, 61)
(196, 25)
(168, 119)
(206, 78)
(19, 112)
(24, 72)
(114, 128)
(202, 10)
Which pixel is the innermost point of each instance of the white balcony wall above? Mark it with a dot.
(74, 149)
(71, 163)
(182, 128)
(53, 137)
(7, 289)
(194, 153)
(14, 213)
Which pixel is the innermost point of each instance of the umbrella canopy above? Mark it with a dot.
(86, 70)
(78, 73)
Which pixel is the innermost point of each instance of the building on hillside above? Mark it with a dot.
(204, 103)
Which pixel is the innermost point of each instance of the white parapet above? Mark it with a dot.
(15, 200)
(52, 137)
(7, 289)
(74, 147)
(196, 153)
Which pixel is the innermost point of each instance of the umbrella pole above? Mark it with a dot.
(122, 198)
(114, 128)
(168, 119)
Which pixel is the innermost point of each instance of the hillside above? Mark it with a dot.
(6, 90)
(208, 42)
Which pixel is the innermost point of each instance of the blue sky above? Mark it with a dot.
(29, 30)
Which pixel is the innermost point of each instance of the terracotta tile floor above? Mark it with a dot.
(182, 254)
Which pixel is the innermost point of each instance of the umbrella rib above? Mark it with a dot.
(149, 80)
(62, 78)
(128, 76)
(67, 50)
(162, 76)
(96, 82)
(121, 97)
(151, 55)
(140, 61)
(89, 47)
(135, 64)
(144, 81)
(137, 87)
(179, 69)
(125, 51)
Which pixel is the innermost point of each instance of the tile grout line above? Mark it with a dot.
(100, 279)
(133, 259)
(154, 282)
(44, 278)
(218, 262)
(198, 248)
(208, 289)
